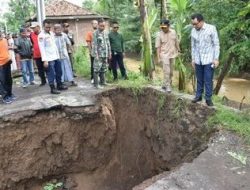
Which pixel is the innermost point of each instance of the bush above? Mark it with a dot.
(82, 63)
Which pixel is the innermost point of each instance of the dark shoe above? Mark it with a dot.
(54, 90)
(195, 100)
(7, 100)
(43, 84)
(164, 88)
(73, 83)
(62, 87)
(13, 97)
(209, 103)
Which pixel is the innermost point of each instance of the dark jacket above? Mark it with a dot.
(24, 47)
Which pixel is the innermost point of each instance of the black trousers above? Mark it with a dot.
(71, 61)
(3, 93)
(117, 59)
(92, 66)
(6, 79)
(41, 69)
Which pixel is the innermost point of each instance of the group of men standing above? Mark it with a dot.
(106, 51)
(51, 50)
(52, 53)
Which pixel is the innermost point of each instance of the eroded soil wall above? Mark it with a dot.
(125, 138)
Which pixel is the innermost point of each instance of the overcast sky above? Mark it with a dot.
(4, 4)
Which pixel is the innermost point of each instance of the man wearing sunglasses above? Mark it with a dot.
(117, 49)
(167, 46)
(205, 56)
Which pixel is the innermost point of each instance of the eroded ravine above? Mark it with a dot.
(124, 139)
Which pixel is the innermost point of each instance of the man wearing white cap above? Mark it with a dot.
(36, 52)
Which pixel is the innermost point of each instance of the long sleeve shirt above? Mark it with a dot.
(24, 47)
(36, 50)
(116, 42)
(205, 45)
(47, 45)
(62, 42)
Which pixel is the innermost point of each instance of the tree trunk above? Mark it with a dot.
(223, 73)
(147, 45)
(164, 10)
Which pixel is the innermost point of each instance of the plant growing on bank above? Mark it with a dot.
(178, 12)
(52, 186)
(231, 119)
(82, 61)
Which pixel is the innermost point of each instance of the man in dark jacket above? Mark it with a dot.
(24, 49)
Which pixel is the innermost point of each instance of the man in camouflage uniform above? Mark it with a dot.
(101, 52)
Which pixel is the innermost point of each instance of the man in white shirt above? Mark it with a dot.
(205, 56)
(50, 57)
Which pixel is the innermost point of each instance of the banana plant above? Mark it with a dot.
(178, 11)
(148, 14)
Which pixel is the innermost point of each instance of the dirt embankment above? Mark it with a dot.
(124, 139)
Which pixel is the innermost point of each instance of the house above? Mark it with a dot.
(79, 19)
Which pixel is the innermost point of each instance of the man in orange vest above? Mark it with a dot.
(5, 72)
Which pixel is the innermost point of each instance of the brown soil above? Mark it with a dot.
(125, 138)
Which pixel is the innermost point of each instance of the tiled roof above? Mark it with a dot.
(65, 8)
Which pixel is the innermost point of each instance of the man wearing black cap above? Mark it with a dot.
(167, 46)
(24, 49)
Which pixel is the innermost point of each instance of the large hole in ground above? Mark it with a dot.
(124, 139)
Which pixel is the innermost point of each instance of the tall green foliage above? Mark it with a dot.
(19, 12)
(179, 14)
(148, 16)
(126, 13)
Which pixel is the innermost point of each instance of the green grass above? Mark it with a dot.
(231, 119)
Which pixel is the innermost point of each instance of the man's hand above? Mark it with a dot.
(216, 63)
(123, 54)
(110, 56)
(46, 64)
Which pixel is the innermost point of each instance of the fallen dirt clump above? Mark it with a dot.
(127, 137)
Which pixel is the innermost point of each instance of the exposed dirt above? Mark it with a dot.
(125, 138)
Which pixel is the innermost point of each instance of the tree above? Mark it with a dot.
(19, 12)
(238, 33)
(146, 23)
(179, 11)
